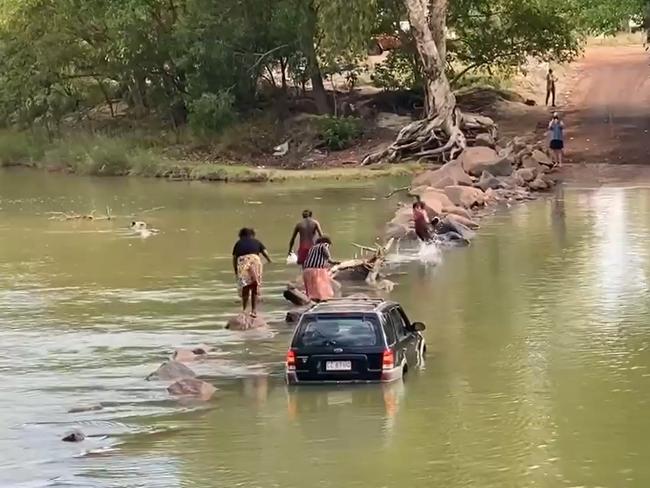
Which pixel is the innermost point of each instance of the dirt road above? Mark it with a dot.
(607, 107)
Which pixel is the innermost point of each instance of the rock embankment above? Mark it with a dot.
(482, 176)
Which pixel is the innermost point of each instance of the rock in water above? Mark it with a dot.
(296, 296)
(86, 408)
(192, 387)
(171, 370)
(187, 355)
(538, 184)
(74, 436)
(488, 181)
(246, 322)
(465, 196)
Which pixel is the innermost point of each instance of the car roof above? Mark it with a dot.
(350, 304)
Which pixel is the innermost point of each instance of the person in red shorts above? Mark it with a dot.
(308, 229)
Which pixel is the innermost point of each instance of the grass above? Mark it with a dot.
(98, 155)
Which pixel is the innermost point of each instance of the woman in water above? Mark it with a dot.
(247, 265)
(556, 128)
(316, 271)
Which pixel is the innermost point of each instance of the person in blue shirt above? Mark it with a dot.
(556, 129)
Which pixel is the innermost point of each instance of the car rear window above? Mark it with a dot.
(337, 331)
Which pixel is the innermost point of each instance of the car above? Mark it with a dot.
(353, 340)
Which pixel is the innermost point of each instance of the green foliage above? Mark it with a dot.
(20, 148)
(338, 133)
(212, 112)
(399, 71)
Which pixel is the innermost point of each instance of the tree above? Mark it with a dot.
(440, 134)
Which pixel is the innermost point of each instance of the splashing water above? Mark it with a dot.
(429, 253)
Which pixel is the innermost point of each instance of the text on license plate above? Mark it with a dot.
(338, 365)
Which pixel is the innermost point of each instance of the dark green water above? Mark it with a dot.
(538, 373)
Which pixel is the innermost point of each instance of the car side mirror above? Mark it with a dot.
(419, 326)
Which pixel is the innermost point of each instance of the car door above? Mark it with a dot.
(407, 338)
(402, 345)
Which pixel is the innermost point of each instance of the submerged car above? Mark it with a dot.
(352, 340)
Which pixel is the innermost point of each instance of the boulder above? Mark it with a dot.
(519, 143)
(439, 178)
(541, 158)
(73, 436)
(398, 231)
(436, 201)
(455, 210)
(529, 162)
(487, 181)
(526, 174)
(296, 296)
(465, 196)
(192, 387)
(484, 139)
(538, 184)
(187, 355)
(171, 370)
(244, 321)
(476, 157)
(458, 220)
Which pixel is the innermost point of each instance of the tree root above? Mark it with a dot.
(434, 139)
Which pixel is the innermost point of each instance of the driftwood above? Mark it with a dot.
(363, 269)
(75, 216)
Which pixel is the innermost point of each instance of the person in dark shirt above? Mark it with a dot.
(247, 264)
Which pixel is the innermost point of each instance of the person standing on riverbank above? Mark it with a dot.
(316, 271)
(247, 265)
(550, 87)
(556, 129)
(308, 229)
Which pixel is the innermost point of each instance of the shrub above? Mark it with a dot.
(337, 133)
(20, 148)
(212, 112)
(146, 162)
(398, 72)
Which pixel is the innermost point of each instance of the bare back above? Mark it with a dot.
(307, 229)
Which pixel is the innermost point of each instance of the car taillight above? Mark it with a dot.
(388, 361)
(291, 359)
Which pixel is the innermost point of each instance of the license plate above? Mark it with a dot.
(338, 365)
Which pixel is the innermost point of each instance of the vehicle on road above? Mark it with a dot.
(353, 340)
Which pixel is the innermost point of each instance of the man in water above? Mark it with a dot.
(550, 87)
(421, 221)
(308, 229)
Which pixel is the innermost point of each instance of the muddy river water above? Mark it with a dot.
(538, 371)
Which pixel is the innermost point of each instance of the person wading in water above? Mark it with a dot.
(308, 229)
(247, 265)
(316, 271)
(421, 220)
(550, 87)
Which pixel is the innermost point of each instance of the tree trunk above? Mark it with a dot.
(439, 27)
(439, 136)
(313, 69)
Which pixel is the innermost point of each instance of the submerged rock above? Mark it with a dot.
(187, 355)
(86, 408)
(74, 436)
(171, 370)
(192, 387)
(244, 321)
(295, 296)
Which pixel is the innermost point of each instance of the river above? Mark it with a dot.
(538, 371)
